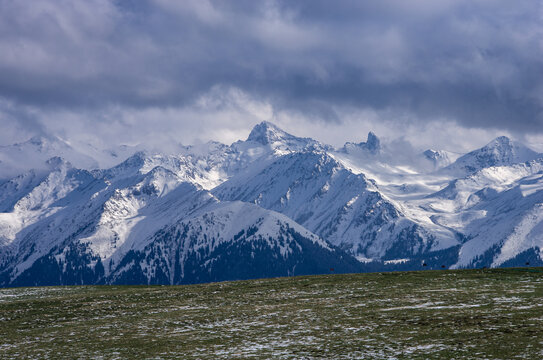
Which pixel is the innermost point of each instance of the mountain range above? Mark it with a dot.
(272, 205)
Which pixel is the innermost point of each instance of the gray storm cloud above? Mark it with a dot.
(108, 66)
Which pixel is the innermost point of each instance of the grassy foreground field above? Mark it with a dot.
(487, 314)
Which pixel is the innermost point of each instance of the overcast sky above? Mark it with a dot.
(445, 74)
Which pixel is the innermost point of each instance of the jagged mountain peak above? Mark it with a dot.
(47, 144)
(267, 133)
(432, 154)
(142, 162)
(501, 151)
(372, 145)
(57, 162)
(135, 161)
(502, 138)
(504, 146)
(439, 158)
(146, 161)
(35, 152)
(205, 208)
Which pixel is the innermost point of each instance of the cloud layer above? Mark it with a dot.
(200, 69)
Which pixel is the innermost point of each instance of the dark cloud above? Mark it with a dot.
(475, 62)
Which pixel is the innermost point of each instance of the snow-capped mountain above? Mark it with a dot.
(499, 211)
(268, 134)
(500, 151)
(33, 154)
(439, 158)
(230, 240)
(347, 209)
(272, 205)
(372, 146)
(73, 226)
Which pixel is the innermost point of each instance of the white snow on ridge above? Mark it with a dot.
(218, 219)
(21, 157)
(528, 234)
(359, 197)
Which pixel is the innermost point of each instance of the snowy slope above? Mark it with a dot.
(499, 211)
(231, 240)
(84, 225)
(500, 151)
(440, 158)
(199, 240)
(273, 204)
(345, 208)
(108, 216)
(32, 154)
(511, 226)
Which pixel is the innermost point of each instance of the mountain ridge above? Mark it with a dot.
(133, 222)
